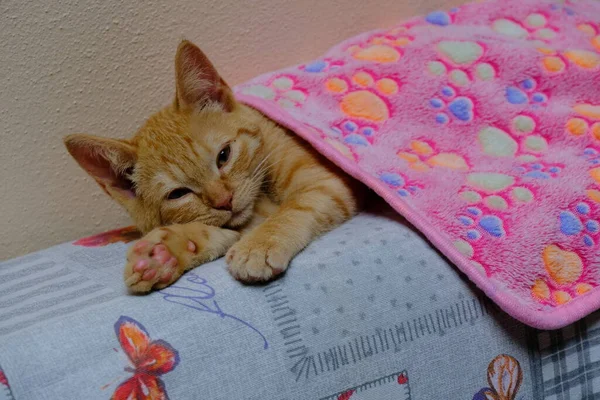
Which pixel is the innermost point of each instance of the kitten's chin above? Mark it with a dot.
(239, 218)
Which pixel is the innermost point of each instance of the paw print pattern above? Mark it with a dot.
(564, 9)
(448, 105)
(354, 134)
(593, 31)
(381, 49)
(494, 191)
(579, 221)
(498, 143)
(593, 158)
(563, 279)
(364, 105)
(539, 170)
(534, 27)
(422, 156)
(281, 89)
(467, 250)
(398, 183)
(478, 224)
(441, 18)
(459, 60)
(586, 122)
(324, 65)
(556, 62)
(525, 93)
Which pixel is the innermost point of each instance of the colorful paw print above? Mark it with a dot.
(364, 105)
(564, 269)
(593, 31)
(381, 49)
(555, 62)
(535, 26)
(467, 250)
(593, 157)
(324, 65)
(459, 60)
(495, 191)
(355, 134)
(422, 156)
(441, 18)
(538, 170)
(578, 221)
(398, 183)
(478, 223)
(281, 89)
(459, 108)
(586, 122)
(498, 143)
(522, 127)
(564, 9)
(524, 93)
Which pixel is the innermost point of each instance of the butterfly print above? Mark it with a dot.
(149, 360)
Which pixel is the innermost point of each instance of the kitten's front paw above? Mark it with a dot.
(151, 262)
(255, 259)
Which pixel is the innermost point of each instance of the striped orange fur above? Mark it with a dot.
(208, 176)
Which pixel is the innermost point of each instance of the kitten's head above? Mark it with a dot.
(198, 159)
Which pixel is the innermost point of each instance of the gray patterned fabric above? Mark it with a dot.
(369, 310)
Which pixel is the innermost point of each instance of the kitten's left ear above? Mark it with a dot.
(199, 85)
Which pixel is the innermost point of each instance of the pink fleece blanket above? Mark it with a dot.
(481, 125)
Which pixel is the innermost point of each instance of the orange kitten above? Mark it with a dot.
(208, 176)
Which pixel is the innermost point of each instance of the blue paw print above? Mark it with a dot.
(539, 171)
(398, 183)
(478, 223)
(525, 93)
(321, 66)
(557, 7)
(460, 107)
(355, 134)
(441, 18)
(591, 155)
(574, 223)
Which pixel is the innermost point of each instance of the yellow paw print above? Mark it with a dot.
(564, 269)
(364, 103)
(459, 59)
(422, 157)
(281, 89)
(380, 49)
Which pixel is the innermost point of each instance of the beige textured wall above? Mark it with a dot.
(101, 67)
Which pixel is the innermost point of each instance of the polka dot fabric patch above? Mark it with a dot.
(479, 124)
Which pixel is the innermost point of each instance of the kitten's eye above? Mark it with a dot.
(223, 156)
(178, 193)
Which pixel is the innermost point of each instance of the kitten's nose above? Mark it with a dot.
(223, 201)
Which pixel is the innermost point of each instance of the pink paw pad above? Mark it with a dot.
(156, 261)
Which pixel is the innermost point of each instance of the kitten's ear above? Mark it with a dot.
(109, 161)
(198, 82)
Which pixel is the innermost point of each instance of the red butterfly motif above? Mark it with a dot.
(150, 359)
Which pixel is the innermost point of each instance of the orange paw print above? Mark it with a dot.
(593, 157)
(380, 49)
(365, 101)
(564, 269)
(585, 122)
(422, 157)
(555, 63)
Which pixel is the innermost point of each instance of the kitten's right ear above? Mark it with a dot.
(109, 161)
(199, 85)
